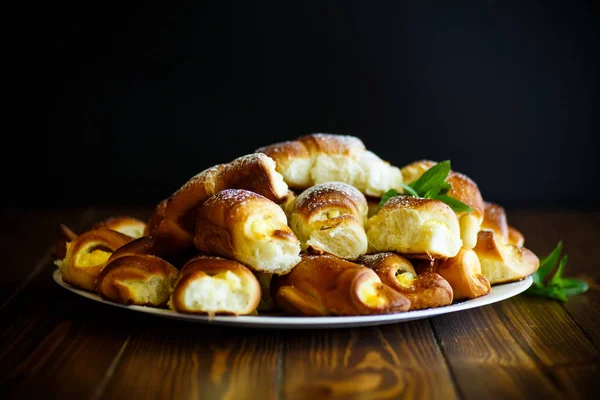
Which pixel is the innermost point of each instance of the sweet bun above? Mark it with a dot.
(415, 227)
(463, 189)
(245, 226)
(503, 262)
(495, 220)
(425, 290)
(320, 157)
(126, 225)
(515, 237)
(137, 279)
(65, 235)
(87, 255)
(174, 219)
(214, 285)
(329, 218)
(327, 285)
(464, 275)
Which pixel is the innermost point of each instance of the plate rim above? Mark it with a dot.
(507, 290)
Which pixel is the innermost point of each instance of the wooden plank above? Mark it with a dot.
(579, 381)
(545, 330)
(580, 233)
(174, 359)
(391, 361)
(484, 357)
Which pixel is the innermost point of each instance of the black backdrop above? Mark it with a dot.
(122, 104)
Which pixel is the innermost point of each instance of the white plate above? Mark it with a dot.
(498, 293)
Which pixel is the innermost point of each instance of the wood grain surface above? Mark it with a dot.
(57, 344)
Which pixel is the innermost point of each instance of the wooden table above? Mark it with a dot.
(58, 345)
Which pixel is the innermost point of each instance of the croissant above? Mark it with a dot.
(503, 262)
(126, 225)
(425, 290)
(327, 285)
(245, 226)
(214, 285)
(464, 275)
(415, 227)
(321, 157)
(87, 255)
(329, 218)
(174, 219)
(494, 219)
(463, 189)
(132, 277)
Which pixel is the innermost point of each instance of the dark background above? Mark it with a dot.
(122, 104)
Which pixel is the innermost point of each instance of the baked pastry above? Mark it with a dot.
(214, 285)
(327, 285)
(503, 262)
(415, 227)
(425, 290)
(174, 219)
(65, 235)
(126, 225)
(329, 218)
(463, 189)
(494, 219)
(87, 255)
(320, 157)
(140, 279)
(245, 226)
(266, 301)
(463, 273)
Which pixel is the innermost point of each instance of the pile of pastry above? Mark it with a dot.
(300, 228)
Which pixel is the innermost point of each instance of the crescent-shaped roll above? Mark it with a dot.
(327, 285)
(463, 189)
(173, 221)
(329, 218)
(425, 290)
(87, 255)
(126, 225)
(503, 262)
(245, 226)
(214, 285)
(495, 220)
(464, 275)
(322, 157)
(140, 279)
(415, 227)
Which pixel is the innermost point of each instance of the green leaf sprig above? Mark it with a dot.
(557, 287)
(431, 185)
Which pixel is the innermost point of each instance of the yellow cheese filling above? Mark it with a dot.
(94, 257)
(405, 279)
(370, 296)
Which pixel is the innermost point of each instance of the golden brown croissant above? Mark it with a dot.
(329, 218)
(214, 285)
(131, 277)
(425, 290)
(321, 157)
(494, 219)
(247, 227)
(503, 262)
(327, 285)
(174, 219)
(87, 255)
(126, 225)
(415, 227)
(463, 189)
(464, 275)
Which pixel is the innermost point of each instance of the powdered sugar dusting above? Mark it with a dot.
(325, 194)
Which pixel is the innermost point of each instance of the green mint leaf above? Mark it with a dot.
(557, 278)
(386, 196)
(456, 205)
(549, 292)
(431, 193)
(445, 188)
(572, 287)
(410, 190)
(547, 264)
(433, 177)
